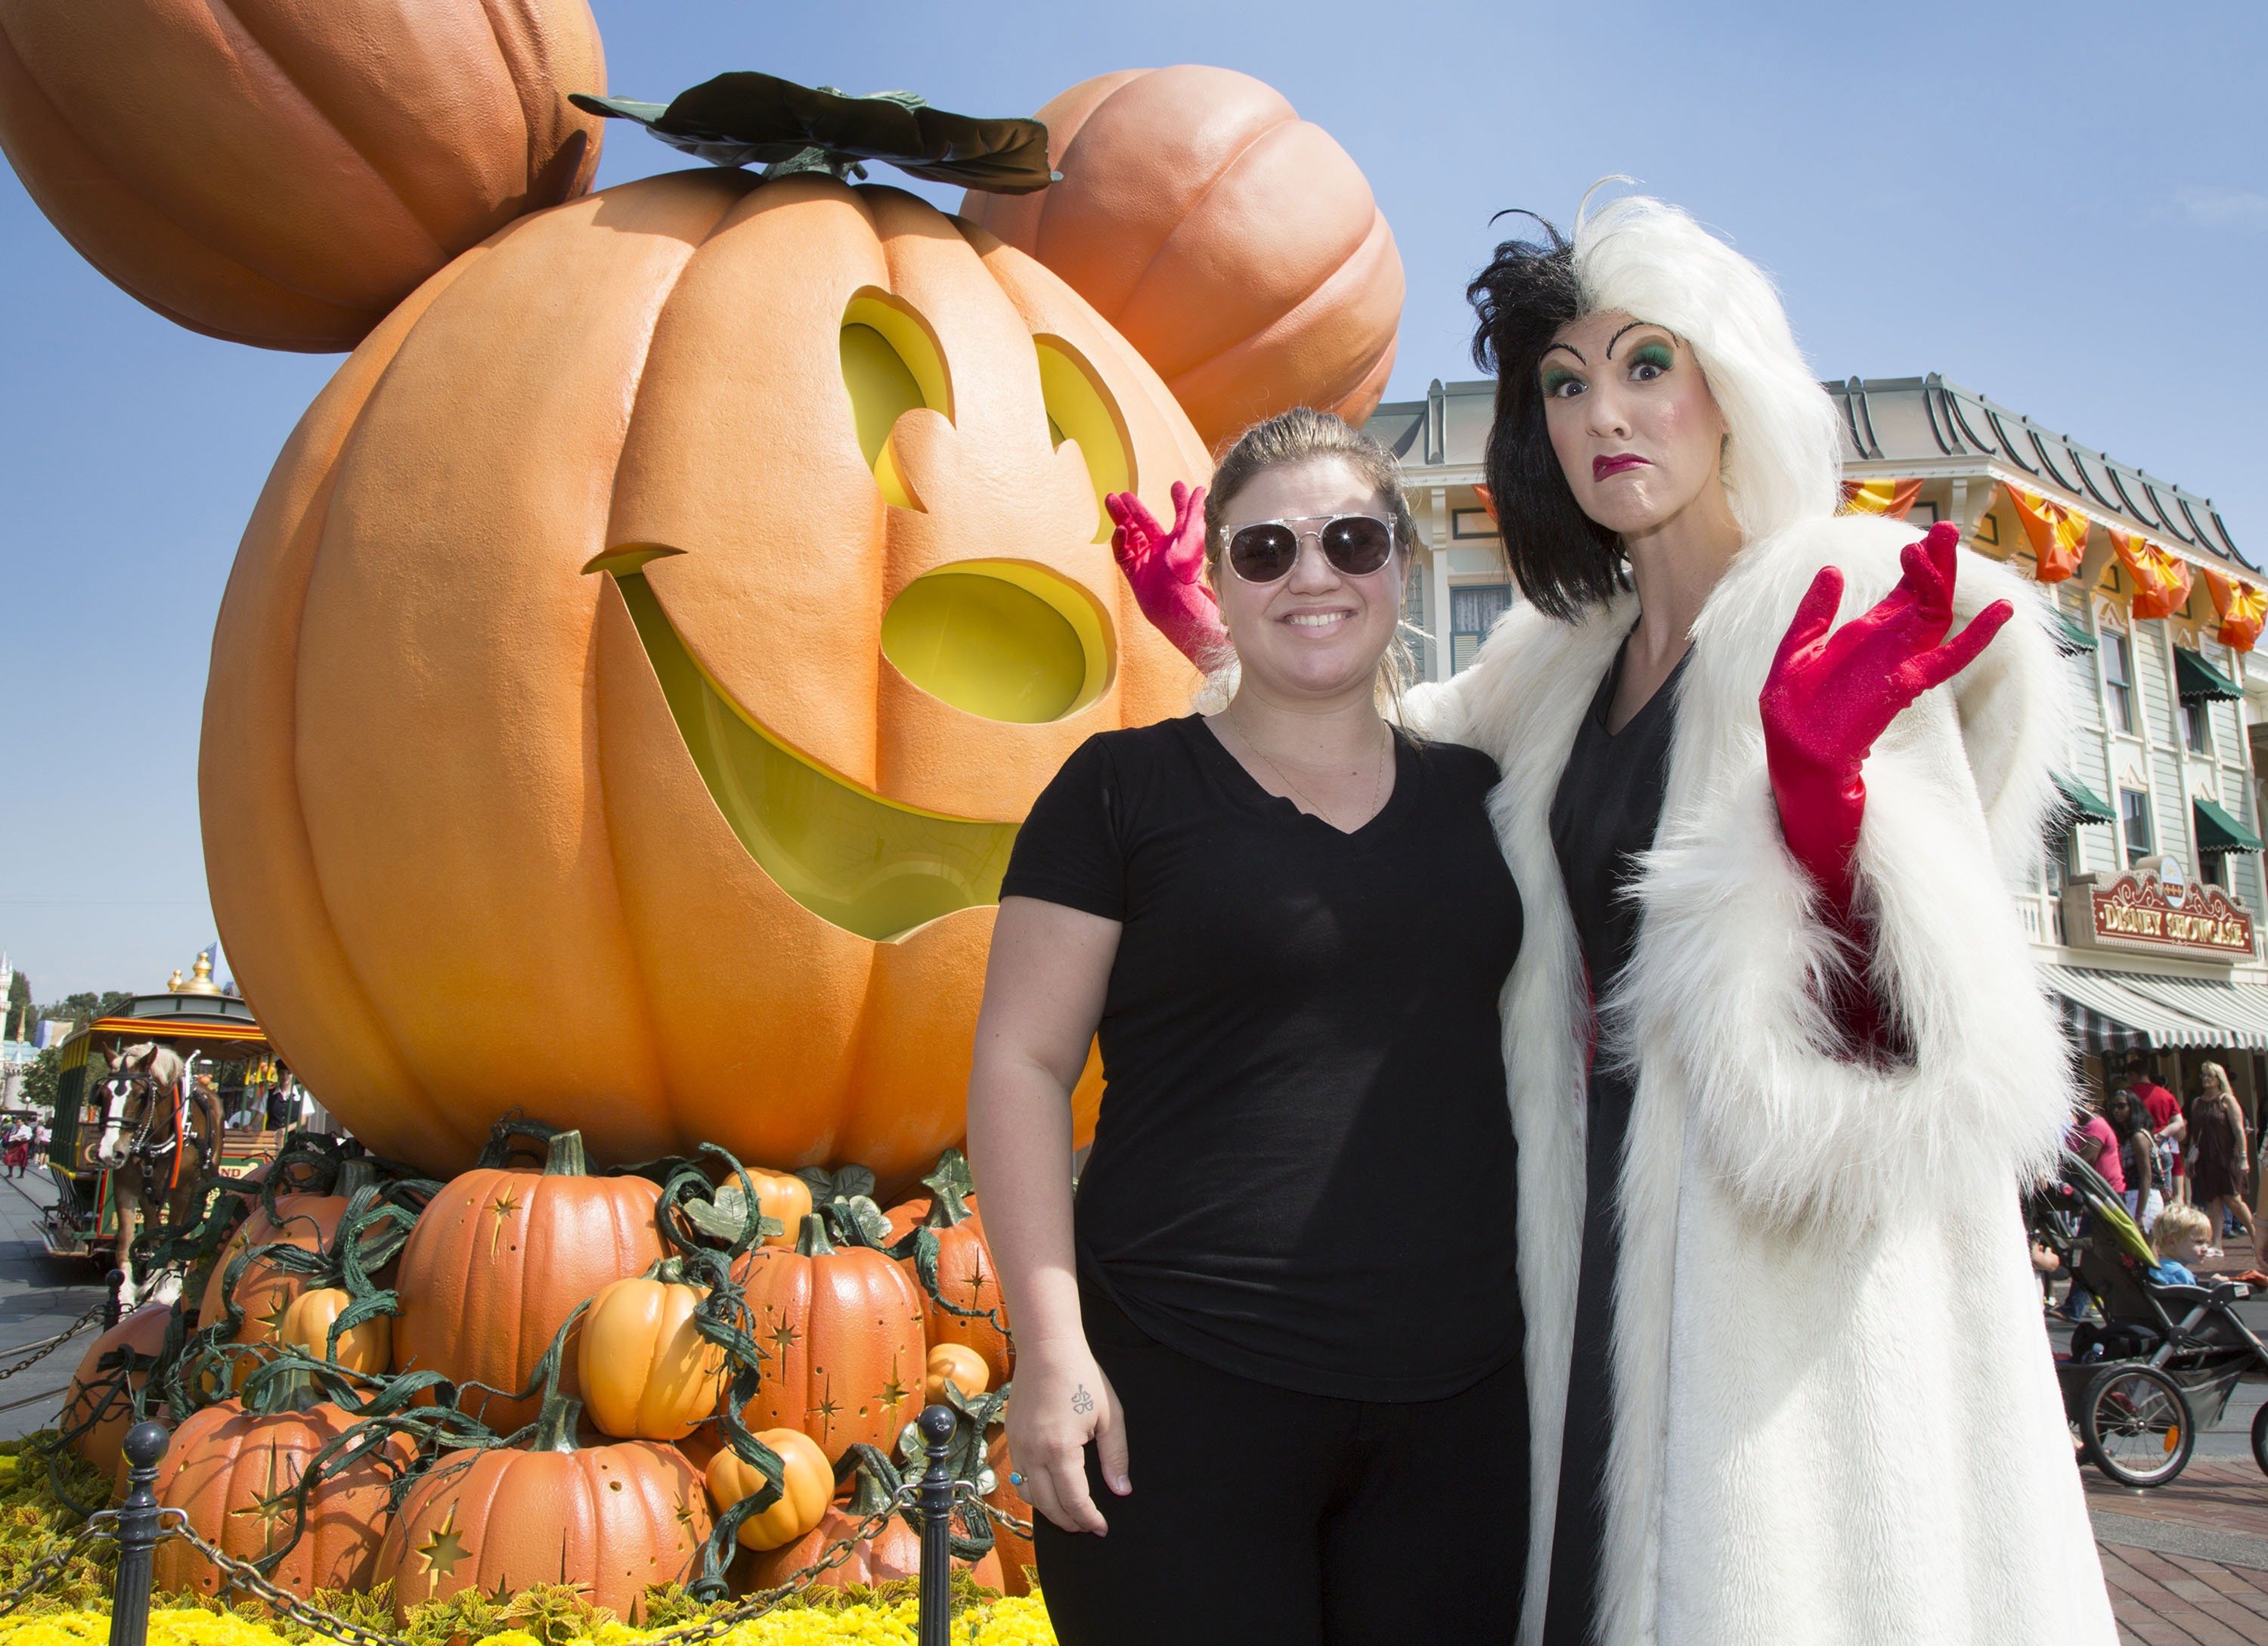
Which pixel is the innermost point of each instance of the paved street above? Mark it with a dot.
(38, 1296)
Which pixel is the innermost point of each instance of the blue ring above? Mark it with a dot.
(1015, 1479)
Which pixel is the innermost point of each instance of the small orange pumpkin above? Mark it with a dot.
(265, 1292)
(956, 1363)
(226, 1468)
(612, 1518)
(807, 1487)
(365, 1347)
(103, 1396)
(283, 174)
(962, 1273)
(647, 1373)
(892, 1553)
(845, 1331)
(1232, 242)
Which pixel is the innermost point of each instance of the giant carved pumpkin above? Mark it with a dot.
(637, 664)
(280, 173)
(1233, 243)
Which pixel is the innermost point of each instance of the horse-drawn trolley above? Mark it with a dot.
(139, 1094)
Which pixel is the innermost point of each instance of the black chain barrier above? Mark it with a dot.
(48, 1346)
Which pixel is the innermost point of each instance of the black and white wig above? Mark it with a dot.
(1640, 257)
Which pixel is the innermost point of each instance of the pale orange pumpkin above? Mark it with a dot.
(773, 468)
(363, 1348)
(783, 1197)
(282, 173)
(958, 1364)
(807, 1487)
(1233, 243)
(647, 1372)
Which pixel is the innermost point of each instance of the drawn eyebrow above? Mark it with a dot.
(1571, 349)
(1633, 326)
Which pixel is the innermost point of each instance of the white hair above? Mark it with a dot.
(1651, 260)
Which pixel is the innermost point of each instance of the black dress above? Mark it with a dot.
(1603, 814)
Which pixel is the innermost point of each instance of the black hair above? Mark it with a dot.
(1565, 562)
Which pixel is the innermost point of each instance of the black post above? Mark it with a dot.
(110, 1309)
(935, 1627)
(137, 1536)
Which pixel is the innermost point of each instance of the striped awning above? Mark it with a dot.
(2106, 1011)
(2242, 1008)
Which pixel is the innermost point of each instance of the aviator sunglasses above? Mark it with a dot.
(1266, 550)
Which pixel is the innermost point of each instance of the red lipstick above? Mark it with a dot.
(1601, 467)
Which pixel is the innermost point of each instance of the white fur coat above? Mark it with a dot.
(1836, 1415)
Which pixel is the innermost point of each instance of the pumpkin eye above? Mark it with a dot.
(891, 364)
(1080, 409)
(1001, 639)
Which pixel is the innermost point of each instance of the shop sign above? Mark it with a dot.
(2151, 906)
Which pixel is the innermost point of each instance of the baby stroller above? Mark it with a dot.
(2163, 1360)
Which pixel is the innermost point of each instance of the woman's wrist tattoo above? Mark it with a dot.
(1081, 1402)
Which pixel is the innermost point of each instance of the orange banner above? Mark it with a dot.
(2161, 581)
(1893, 497)
(2243, 609)
(2058, 535)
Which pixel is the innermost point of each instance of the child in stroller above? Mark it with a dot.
(2163, 1359)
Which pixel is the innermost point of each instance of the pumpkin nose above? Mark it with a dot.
(1006, 639)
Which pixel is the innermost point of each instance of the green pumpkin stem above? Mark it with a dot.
(554, 1426)
(563, 1156)
(811, 1239)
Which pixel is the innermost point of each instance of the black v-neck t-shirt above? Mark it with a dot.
(1303, 1172)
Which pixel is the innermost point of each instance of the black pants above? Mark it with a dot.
(1261, 1517)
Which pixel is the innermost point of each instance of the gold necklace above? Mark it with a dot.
(1377, 783)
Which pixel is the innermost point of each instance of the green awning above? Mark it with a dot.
(2218, 832)
(2070, 638)
(2083, 801)
(2196, 678)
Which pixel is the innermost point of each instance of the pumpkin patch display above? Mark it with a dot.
(233, 1471)
(673, 607)
(501, 1257)
(646, 1372)
(283, 174)
(841, 1331)
(612, 1519)
(265, 1289)
(806, 1489)
(100, 1409)
(1237, 246)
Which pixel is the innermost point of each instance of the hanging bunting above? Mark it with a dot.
(1893, 497)
(2243, 609)
(2161, 581)
(2058, 534)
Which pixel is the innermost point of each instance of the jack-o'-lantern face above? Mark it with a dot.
(628, 689)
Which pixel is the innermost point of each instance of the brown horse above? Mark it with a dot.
(159, 1131)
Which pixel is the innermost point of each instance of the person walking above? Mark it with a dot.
(1248, 1357)
(2165, 1120)
(2138, 1157)
(2219, 1162)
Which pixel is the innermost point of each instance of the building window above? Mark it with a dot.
(2118, 677)
(2134, 812)
(1473, 611)
(2213, 869)
(2060, 861)
(2196, 725)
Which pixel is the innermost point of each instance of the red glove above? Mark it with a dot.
(1829, 696)
(1167, 572)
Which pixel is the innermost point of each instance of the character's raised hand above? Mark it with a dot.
(1167, 571)
(1829, 696)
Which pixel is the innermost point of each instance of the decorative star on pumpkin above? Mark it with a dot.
(894, 1392)
(751, 119)
(504, 1207)
(273, 1506)
(444, 1550)
(784, 1337)
(826, 1407)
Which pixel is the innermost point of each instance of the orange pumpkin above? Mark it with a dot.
(783, 1197)
(958, 1364)
(964, 1277)
(843, 1330)
(673, 607)
(226, 1466)
(892, 1553)
(1232, 242)
(283, 174)
(498, 1260)
(103, 1396)
(264, 1292)
(647, 1373)
(365, 1347)
(807, 1487)
(611, 1519)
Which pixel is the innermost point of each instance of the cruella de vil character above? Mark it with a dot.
(1776, 1055)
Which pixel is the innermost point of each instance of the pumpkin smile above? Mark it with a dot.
(869, 865)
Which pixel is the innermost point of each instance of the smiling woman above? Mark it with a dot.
(632, 681)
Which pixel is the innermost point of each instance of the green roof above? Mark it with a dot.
(2218, 832)
(2083, 800)
(2196, 678)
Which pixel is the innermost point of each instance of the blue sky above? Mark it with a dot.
(2064, 208)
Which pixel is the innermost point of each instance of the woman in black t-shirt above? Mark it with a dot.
(1288, 1293)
